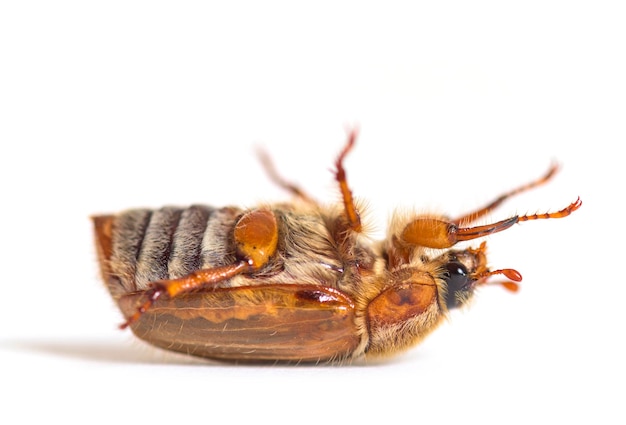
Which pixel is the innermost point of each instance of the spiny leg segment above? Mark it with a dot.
(439, 233)
(352, 214)
(191, 282)
(475, 215)
(287, 185)
(351, 211)
(469, 233)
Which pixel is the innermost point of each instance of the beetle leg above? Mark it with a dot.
(173, 287)
(256, 238)
(436, 233)
(270, 169)
(352, 214)
(475, 215)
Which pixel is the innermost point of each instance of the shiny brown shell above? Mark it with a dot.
(286, 322)
(277, 322)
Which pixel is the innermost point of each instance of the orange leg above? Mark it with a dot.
(352, 214)
(256, 237)
(290, 187)
(193, 281)
(559, 214)
(475, 215)
(436, 233)
(354, 219)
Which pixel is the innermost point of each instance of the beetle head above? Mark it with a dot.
(466, 269)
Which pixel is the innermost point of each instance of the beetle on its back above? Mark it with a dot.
(293, 282)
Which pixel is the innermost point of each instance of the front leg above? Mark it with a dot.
(438, 233)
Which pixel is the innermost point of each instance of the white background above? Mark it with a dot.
(121, 104)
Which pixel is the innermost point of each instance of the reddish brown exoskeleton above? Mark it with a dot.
(293, 282)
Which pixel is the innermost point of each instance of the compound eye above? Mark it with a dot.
(459, 284)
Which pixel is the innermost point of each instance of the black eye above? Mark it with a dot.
(459, 284)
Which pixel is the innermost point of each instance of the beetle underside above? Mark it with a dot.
(293, 282)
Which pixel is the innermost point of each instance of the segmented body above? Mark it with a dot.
(145, 246)
(297, 281)
(168, 243)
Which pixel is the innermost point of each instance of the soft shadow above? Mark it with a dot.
(137, 352)
(103, 351)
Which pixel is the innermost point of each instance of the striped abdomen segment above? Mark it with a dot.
(141, 246)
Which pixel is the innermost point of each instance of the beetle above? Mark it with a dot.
(295, 282)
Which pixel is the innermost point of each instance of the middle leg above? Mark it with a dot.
(352, 214)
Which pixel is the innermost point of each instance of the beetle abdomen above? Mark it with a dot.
(167, 243)
(141, 246)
